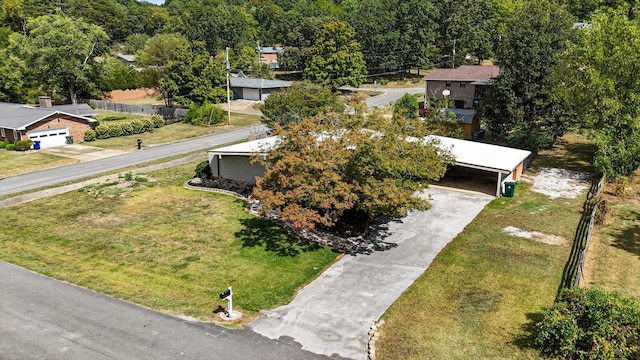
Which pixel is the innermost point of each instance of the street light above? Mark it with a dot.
(445, 95)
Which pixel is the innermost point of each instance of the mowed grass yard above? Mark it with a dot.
(481, 295)
(614, 255)
(167, 133)
(158, 244)
(18, 162)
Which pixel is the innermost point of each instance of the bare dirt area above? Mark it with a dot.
(536, 236)
(559, 183)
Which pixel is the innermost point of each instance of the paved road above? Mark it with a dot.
(41, 318)
(38, 179)
(333, 314)
(390, 96)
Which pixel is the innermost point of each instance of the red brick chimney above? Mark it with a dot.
(45, 101)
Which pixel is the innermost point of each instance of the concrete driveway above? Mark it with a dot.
(83, 152)
(333, 314)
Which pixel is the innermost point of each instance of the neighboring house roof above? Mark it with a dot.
(464, 73)
(467, 153)
(245, 82)
(270, 50)
(126, 57)
(19, 117)
(464, 116)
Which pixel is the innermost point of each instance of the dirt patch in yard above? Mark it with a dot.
(559, 183)
(536, 236)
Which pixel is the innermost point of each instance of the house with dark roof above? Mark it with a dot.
(466, 87)
(52, 125)
(255, 88)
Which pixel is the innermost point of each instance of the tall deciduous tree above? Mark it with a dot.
(325, 166)
(162, 48)
(298, 102)
(599, 75)
(336, 58)
(60, 52)
(521, 108)
(394, 34)
(193, 76)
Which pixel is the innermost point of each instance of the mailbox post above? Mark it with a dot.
(139, 141)
(229, 315)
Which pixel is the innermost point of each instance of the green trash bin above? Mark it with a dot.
(509, 188)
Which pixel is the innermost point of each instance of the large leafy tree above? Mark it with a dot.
(159, 50)
(327, 166)
(193, 76)
(336, 58)
(299, 102)
(60, 52)
(599, 76)
(394, 35)
(468, 27)
(521, 108)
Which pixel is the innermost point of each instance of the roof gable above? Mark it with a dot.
(18, 116)
(255, 83)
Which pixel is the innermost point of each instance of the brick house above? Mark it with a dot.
(269, 55)
(468, 87)
(51, 125)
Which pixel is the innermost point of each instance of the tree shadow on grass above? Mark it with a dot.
(570, 155)
(266, 233)
(628, 238)
(525, 340)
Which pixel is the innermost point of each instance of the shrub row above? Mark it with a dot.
(136, 126)
(22, 145)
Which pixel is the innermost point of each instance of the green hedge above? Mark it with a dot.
(23, 145)
(135, 126)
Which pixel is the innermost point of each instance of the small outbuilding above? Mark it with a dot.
(254, 88)
(482, 160)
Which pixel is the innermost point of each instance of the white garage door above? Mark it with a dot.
(50, 137)
(250, 94)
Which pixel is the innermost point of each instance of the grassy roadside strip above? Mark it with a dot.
(170, 133)
(160, 245)
(133, 168)
(19, 162)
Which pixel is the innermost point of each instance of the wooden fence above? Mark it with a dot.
(169, 114)
(574, 267)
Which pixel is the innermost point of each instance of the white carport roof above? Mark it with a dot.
(467, 153)
(260, 146)
(484, 156)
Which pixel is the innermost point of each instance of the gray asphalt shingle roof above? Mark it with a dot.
(254, 83)
(19, 116)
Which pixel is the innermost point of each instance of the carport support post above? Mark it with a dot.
(499, 184)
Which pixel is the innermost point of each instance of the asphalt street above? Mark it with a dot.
(48, 177)
(42, 318)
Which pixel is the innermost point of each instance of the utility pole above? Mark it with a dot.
(228, 94)
(453, 56)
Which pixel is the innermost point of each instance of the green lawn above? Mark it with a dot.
(617, 242)
(18, 162)
(160, 245)
(481, 295)
(169, 133)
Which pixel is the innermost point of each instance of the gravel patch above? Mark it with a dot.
(536, 236)
(559, 183)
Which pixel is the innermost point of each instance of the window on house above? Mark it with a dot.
(463, 84)
(15, 134)
(447, 83)
(2, 132)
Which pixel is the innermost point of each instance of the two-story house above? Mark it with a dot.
(465, 87)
